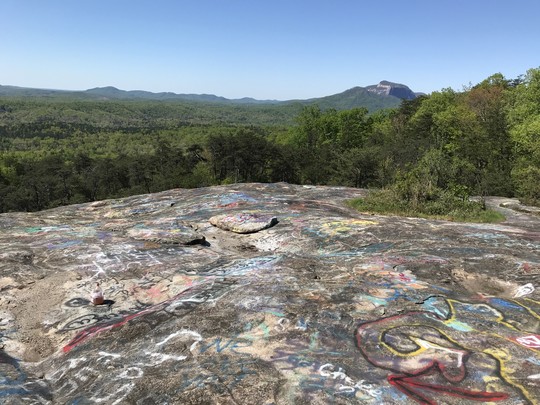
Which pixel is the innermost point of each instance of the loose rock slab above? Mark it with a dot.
(243, 222)
(167, 233)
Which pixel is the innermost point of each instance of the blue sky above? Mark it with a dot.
(273, 49)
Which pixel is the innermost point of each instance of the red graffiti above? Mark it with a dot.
(413, 386)
(425, 361)
(191, 296)
(530, 341)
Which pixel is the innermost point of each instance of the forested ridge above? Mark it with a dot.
(484, 140)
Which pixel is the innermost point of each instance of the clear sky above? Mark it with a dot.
(266, 49)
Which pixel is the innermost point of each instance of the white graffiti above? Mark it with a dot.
(87, 374)
(69, 387)
(114, 390)
(327, 370)
(161, 358)
(118, 396)
(282, 324)
(458, 354)
(524, 290)
(107, 357)
(191, 333)
(529, 341)
(130, 373)
(98, 271)
(71, 364)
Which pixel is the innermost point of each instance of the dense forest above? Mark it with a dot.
(484, 140)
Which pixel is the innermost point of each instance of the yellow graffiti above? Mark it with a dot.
(343, 227)
(408, 343)
(504, 358)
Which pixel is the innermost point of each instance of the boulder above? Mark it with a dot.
(243, 222)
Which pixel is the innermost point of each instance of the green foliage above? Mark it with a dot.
(59, 118)
(330, 145)
(201, 176)
(441, 205)
(355, 98)
(429, 154)
(527, 183)
(524, 118)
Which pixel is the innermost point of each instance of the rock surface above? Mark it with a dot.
(327, 306)
(243, 222)
(386, 88)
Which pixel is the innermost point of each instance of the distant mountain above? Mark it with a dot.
(386, 88)
(356, 97)
(14, 91)
(380, 96)
(110, 92)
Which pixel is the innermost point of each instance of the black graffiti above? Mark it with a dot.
(87, 320)
(77, 302)
(92, 319)
(186, 300)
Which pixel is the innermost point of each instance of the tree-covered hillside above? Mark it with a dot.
(367, 97)
(435, 148)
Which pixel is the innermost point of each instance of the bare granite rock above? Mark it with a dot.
(327, 306)
(243, 222)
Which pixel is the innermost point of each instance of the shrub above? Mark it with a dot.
(441, 204)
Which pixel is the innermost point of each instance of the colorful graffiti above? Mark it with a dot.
(326, 306)
(449, 349)
(193, 296)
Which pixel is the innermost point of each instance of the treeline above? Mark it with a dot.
(484, 140)
(481, 141)
(64, 117)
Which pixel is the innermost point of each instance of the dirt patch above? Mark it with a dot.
(34, 302)
(483, 284)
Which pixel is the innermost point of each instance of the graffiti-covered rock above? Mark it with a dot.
(329, 305)
(243, 222)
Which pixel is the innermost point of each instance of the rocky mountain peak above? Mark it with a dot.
(386, 88)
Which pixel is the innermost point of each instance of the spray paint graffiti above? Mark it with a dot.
(80, 377)
(427, 361)
(288, 327)
(531, 341)
(524, 290)
(242, 267)
(209, 290)
(429, 353)
(347, 384)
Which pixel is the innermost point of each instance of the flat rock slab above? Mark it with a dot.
(243, 222)
(331, 306)
(166, 233)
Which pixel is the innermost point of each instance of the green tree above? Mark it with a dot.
(524, 120)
